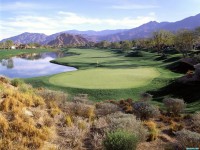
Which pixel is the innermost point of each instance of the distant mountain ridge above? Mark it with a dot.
(143, 31)
(28, 38)
(68, 39)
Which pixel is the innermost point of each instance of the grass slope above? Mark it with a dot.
(105, 78)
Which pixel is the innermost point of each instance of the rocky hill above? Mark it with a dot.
(68, 39)
(27, 37)
(146, 30)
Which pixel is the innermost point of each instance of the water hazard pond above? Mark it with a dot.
(33, 65)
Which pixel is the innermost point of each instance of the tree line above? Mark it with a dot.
(161, 41)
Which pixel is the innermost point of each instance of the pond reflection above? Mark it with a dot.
(32, 65)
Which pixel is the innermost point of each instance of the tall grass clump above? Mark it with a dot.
(127, 123)
(174, 106)
(17, 82)
(196, 121)
(145, 111)
(188, 138)
(120, 140)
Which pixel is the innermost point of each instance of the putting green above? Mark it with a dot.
(105, 78)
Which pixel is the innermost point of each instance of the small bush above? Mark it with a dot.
(175, 126)
(17, 82)
(145, 97)
(126, 105)
(188, 138)
(4, 79)
(68, 121)
(50, 95)
(153, 131)
(72, 138)
(145, 110)
(128, 123)
(120, 140)
(81, 98)
(103, 109)
(174, 106)
(196, 121)
(3, 124)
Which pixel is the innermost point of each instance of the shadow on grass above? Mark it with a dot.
(179, 67)
(187, 91)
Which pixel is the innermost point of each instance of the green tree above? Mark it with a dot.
(184, 41)
(126, 46)
(8, 44)
(197, 37)
(115, 45)
(144, 43)
(161, 39)
(104, 44)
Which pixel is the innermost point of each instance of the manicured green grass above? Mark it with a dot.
(106, 78)
(89, 59)
(10, 53)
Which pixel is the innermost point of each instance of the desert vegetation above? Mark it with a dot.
(44, 119)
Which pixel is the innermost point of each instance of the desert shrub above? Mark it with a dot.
(188, 138)
(81, 98)
(84, 110)
(174, 106)
(50, 95)
(3, 124)
(126, 105)
(100, 123)
(153, 131)
(17, 82)
(80, 109)
(97, 140)
(103, 109)
(11, 104)
(120, 140)
(4, 79)
(145, 111)
(47, 121)
(145, 97)
(72, 138)
(196, 121)
(127, 122)
(175, 126)
(68, 121)
(26, 88)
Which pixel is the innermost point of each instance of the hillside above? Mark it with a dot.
(44, 119)
(26, 38)
(68, 39)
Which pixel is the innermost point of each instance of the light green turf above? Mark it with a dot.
(106, 78)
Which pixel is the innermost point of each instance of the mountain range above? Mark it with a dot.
(143, 31)
(68, 39)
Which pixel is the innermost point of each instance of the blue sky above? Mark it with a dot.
(51, 16)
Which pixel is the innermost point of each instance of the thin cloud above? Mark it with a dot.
(62, 21)
(133, 6)
(23, 6)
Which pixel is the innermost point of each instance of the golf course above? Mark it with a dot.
(107, 74)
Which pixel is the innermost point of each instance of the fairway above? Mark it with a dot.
(105, 78)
